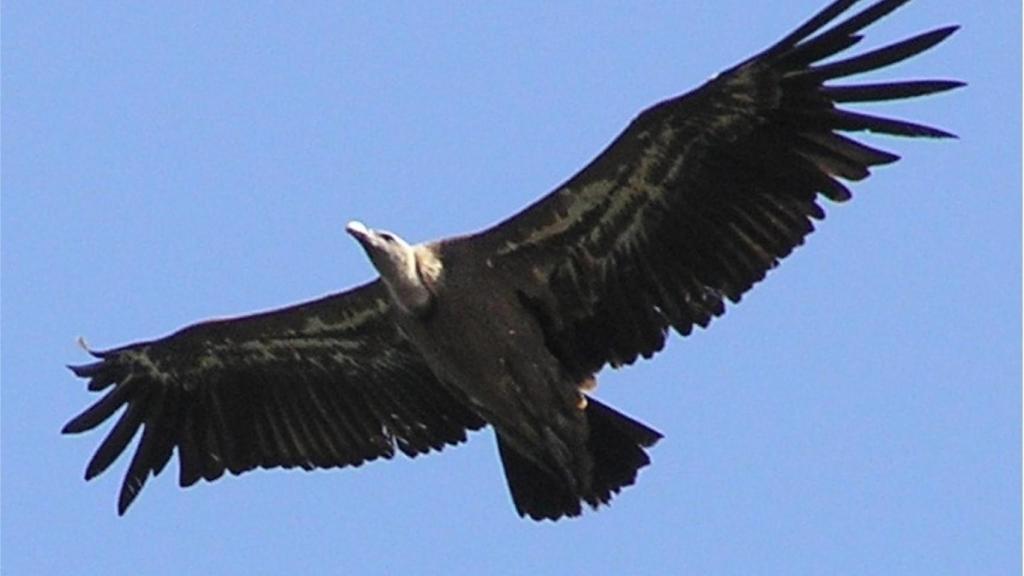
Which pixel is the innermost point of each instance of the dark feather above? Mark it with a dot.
(876, 58)
(101, 410)
(118, 438)
(887, 90)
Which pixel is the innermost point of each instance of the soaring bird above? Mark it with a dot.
(689, 207)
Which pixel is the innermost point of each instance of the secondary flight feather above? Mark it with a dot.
(688, 208)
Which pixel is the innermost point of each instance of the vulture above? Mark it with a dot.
(688, 208)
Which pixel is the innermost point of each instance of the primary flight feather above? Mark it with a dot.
(689, 207)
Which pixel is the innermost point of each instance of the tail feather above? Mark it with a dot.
(616, 445)
(536, 492)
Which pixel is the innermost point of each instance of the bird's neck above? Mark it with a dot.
(412, 286)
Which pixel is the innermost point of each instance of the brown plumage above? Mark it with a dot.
(689, 207)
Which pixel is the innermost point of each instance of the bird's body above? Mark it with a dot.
(498, 345)
(687, 209)
(502, 367)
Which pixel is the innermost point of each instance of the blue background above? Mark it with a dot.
(858, 413)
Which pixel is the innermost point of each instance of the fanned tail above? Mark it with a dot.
(616, 444)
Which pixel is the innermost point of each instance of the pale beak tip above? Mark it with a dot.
(356, 228)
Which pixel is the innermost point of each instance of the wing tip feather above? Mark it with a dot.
(85, 370)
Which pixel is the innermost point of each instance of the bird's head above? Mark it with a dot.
(384, 248)
(396, 261)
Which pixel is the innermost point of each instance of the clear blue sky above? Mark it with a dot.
(857, 413)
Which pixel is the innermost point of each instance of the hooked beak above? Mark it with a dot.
(358, 230)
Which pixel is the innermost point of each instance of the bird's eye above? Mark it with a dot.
(387, 236)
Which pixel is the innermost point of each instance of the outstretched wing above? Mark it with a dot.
(703, 193)
(324, 384)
